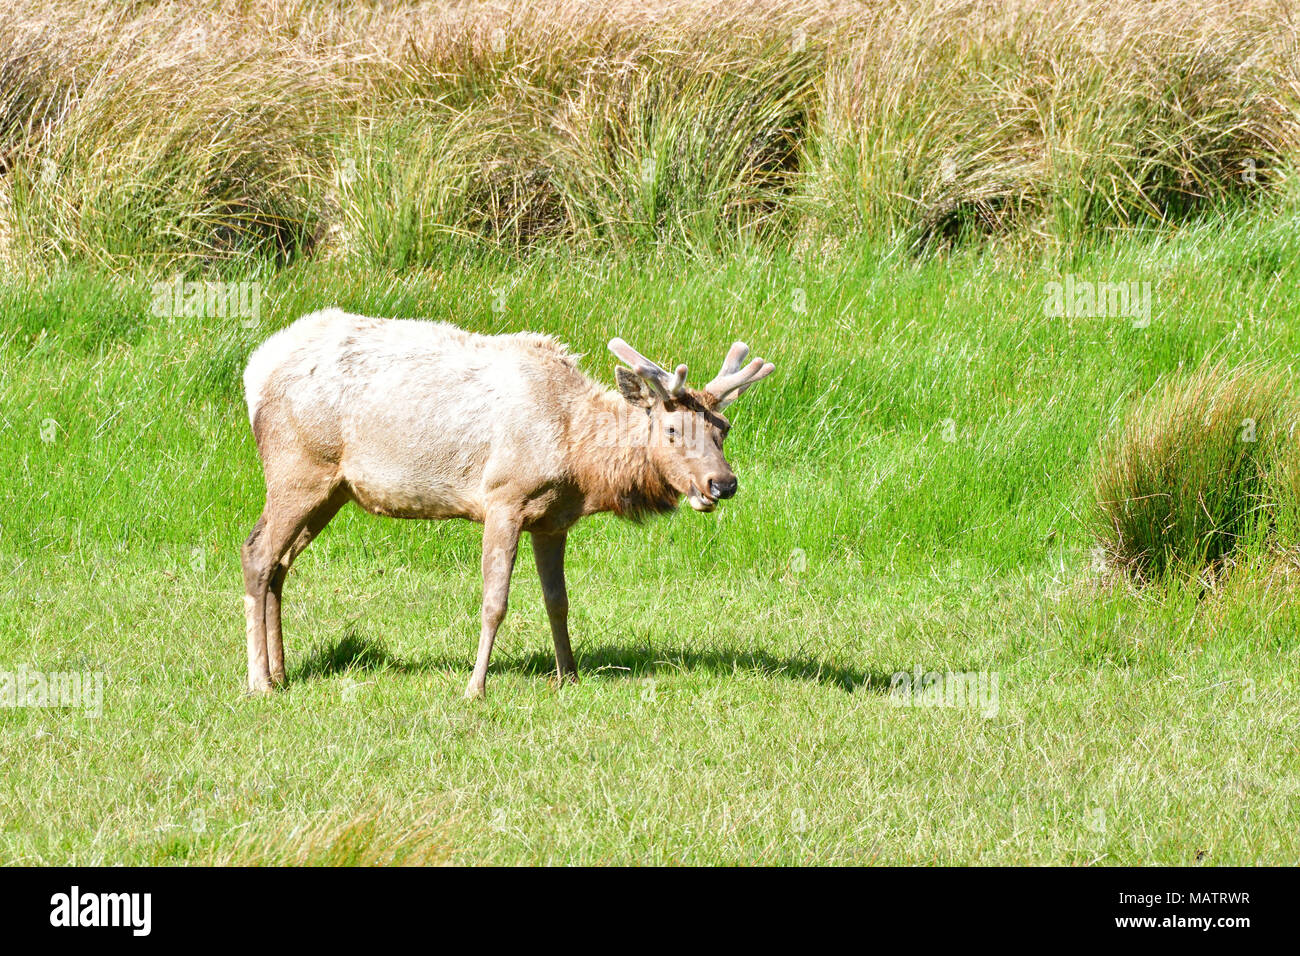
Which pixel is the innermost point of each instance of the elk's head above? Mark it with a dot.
(687, 427)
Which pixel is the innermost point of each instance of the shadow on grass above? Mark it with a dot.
(611, 661)
(606, 662)
(351, 652)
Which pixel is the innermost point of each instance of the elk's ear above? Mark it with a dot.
(634, 388)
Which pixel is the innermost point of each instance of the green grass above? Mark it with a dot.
(735, 703)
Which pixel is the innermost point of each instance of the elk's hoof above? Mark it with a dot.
(475, 692)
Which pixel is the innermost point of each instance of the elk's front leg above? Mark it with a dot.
(500, 540)
(548, 552)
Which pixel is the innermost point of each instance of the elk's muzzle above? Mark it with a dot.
(723, 486)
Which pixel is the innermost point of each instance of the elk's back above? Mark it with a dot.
(422, 418)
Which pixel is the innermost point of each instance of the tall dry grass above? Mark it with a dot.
(951, 118)
(269, 129)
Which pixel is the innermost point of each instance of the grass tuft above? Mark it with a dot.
(1185, 484)
(391, 834)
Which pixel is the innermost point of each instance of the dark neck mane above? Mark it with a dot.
(610, 460)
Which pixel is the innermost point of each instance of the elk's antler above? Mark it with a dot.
(668, 386)
(734, 377)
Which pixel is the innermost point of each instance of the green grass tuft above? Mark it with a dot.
(1185, 484)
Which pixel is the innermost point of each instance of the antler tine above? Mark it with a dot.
(735, 358)
(632, 357)
(668, 386)
(764, 370)
(732, 381)
(678, 384)
(724, 381)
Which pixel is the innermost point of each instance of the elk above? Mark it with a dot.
(416, 419)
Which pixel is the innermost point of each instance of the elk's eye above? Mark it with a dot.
(672, 432)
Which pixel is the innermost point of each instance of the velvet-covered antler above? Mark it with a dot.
(667, 386)
(734, 376)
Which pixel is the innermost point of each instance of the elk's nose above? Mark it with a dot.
(723, 487)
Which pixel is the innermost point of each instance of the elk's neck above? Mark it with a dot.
(609, 457)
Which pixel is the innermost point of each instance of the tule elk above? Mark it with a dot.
(418, 419)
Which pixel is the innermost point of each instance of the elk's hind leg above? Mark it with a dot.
(283, 519)
(316, 522)
(548, 552)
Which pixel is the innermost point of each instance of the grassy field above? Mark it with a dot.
(949, 472)
(914, 494)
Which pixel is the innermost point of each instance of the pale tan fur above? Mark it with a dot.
(424, 420)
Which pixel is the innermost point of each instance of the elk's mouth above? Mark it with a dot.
(699, 500)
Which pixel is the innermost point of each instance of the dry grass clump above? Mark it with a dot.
(678, 148)
(239, 129)
(947, 119)
(385, 835)
(174, 137)
(1201, 472)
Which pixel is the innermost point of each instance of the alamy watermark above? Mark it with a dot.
(624, 428)
(31, 688)
(975, 690)
(1083, 298)
(133, 911)
(177, 298)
